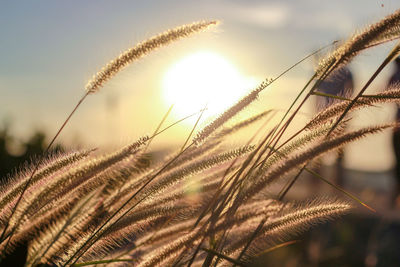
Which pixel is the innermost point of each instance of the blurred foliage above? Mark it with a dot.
(28, 150)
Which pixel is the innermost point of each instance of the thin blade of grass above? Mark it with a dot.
(159, 126)
(340, 189)
(252, 237)
(220, 255)
(175, 123)
(331, 96)
(285, 244)
(289, 185)
(194, 127)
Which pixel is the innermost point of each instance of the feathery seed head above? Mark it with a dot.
(382, 31)
(231, 112)
(142, 49)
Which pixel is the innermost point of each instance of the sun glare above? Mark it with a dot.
(204, 78)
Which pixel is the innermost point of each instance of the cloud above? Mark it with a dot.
(306, 14)
(267, 15)
(324, 20)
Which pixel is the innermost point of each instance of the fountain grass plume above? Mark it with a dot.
(383, 31)
(142, 49)
(392, 94)
(231, 112)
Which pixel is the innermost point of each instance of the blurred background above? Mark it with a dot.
(50, 49)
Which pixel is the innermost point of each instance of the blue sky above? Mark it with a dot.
(49, 49)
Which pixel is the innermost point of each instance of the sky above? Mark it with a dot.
(50, 49)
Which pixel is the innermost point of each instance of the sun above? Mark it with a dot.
(204, 79)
